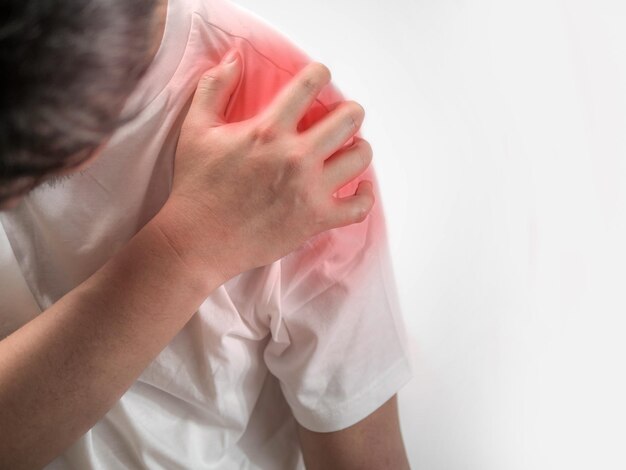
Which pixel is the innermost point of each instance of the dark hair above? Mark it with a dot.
(66, 70)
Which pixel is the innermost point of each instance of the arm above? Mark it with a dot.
(373, 443)
(61, 372)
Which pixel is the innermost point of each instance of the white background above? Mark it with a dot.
(499, 136)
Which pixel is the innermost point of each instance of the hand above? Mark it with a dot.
(248, 193)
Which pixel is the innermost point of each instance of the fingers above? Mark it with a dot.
(353, 209)
(333, 131)
(345, 165)
(216, 87)
(295, 99)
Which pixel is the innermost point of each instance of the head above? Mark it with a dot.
(67, 68)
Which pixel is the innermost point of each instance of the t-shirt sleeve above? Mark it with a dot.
(338, 341)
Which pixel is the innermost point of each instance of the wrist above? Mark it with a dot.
(194, 247)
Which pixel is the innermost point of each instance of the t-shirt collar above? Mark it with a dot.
(166, 59)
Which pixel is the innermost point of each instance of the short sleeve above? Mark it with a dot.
(338, 341)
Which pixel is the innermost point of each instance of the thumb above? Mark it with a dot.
(216, 87)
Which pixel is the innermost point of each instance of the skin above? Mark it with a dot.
(61, 372)
(373, 443)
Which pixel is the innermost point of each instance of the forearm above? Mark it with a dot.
(61, 372)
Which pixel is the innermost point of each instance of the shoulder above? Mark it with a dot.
(238, 24)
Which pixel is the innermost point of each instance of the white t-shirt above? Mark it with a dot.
(317, 335)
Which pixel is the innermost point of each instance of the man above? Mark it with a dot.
(323, 320)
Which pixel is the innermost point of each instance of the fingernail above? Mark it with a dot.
(231, 57)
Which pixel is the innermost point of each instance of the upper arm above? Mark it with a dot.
(375, 442)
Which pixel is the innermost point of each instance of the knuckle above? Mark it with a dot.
(358, 108)
(360, 213)
(355, 112)
(318, 219)
(210, 81)
(365, 152)
(351, 121)
(316, 76)
(322, 71)
(297, 150)
(309, 85)
(265, 134)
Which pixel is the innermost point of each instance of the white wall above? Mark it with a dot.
(499, 136)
